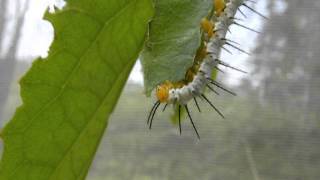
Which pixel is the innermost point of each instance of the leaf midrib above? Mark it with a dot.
(103, 100)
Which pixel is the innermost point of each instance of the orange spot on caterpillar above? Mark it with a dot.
(219, 6)
(202, 52)
(207, 26)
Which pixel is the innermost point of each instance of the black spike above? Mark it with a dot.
(251, 1)
(216, 67)
(202, 72)
(250, 8)
(228, 29)
(242, 13)
(212, 89)
(243, 26)
(241, 50)
(196, 102)
(231, 67)
(234, 18)
(194, 127)
(220, 86)
(228, 40)
(164, 108)
(210, 53)
(226, 50)
(212, 106)
(151, 111)
(154, 112)
(179, 118)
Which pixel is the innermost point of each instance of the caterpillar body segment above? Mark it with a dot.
(198, 76)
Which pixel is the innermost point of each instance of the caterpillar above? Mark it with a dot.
(214, 28)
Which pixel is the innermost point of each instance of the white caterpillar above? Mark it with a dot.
(198, 76)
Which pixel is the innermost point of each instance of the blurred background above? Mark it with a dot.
(272, 129)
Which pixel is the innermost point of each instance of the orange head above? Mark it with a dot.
(162, 91)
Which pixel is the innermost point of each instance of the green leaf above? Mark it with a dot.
(68, 97)
(173, 40)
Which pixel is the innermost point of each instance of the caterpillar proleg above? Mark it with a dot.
(214, 29)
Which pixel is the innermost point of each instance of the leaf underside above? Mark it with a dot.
(173, 40)
(68, 97)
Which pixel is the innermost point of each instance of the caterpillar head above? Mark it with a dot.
(162, 91)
